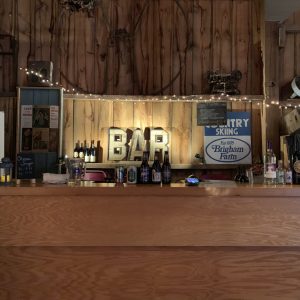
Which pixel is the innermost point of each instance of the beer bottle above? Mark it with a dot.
(156, 170)
(166, 169)
(145, 169)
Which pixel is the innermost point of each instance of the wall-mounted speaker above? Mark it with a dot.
(43, 68)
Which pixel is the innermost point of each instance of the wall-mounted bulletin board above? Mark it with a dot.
(39, 138)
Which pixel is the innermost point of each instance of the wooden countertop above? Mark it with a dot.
(219, 214)
(208, 188)
(216, 241)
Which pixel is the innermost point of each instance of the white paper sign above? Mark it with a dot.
(26, 116)
(1, 134)
(54, 111)
(230, 143)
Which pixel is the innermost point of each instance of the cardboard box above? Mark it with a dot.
(292, 121)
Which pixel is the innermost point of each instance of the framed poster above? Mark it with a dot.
(39, 128)
(230, 143)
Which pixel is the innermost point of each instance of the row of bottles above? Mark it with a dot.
(274, 174)
(82, 150)
(158, 173)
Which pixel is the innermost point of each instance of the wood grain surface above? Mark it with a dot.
(90, 120)
(149, 243)
(76, 273)
(148, 220)
(136, 46)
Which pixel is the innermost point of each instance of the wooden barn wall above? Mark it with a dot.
(289, 57)
(138, 46)
(87, 120)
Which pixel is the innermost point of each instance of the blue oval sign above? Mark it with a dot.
(228, 150)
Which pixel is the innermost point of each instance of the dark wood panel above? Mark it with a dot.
(148, 273)
(125, 220)
(137, 46)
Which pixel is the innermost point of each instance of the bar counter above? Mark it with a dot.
(99, 241)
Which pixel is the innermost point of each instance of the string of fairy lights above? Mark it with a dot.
(76, 94)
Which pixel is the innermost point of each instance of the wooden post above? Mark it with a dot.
(271, 113)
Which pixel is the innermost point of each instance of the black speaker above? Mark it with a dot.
(43, 68)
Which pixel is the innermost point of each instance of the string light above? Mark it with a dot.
(74, 93)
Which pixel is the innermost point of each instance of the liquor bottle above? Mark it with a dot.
(86, 153)
(288, 174)
(92, 152)
(145, 169)
(269, 166)
(76, 150)
(156, 170)
(81, 151)
(280, 176)
(166, 169)
(296, 167)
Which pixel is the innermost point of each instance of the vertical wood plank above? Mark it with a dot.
(68, 133)
(222, 35)
(102, 31)
(123, 114)
(201, 45)
(181, 133)
(242, 42)
(165, 33)
(103, 120)
(197, 136)
(287, 62)
(142, 115)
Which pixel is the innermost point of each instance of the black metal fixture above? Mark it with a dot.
(224, 83)
(78, 5)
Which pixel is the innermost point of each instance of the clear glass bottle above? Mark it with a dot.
(269, 166)
(289, 174)
(280, 174)
(166, 169)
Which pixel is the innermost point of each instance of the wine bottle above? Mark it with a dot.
(166, 169)
(81, 151)
(92, 152)
(76, 150)
(86, 153)
(156, 170)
